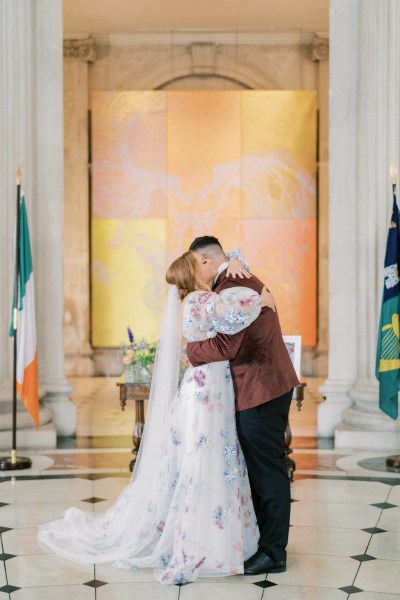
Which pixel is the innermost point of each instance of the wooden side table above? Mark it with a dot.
(139, 392)
(298, 397)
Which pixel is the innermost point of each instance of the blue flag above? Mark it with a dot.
(388, 350)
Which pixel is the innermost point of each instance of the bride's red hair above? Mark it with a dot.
(184, 273)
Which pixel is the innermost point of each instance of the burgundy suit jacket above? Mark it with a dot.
(260, 364)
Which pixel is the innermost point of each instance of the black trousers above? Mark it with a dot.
(261, 435)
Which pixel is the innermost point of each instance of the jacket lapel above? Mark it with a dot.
(220, 278)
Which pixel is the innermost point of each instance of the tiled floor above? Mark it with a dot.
(345, 523)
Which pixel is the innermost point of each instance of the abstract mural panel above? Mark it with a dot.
(169, 166)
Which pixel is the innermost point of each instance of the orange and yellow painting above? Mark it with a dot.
(170, 166)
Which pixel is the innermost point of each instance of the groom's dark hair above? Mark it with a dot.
(200, 243)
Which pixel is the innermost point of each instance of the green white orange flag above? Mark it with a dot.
(27, 367)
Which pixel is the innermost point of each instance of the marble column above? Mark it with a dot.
(32, 132)
(342, 356)
(78, 53)
(373, 64)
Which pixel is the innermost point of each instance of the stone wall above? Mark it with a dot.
(189, 61)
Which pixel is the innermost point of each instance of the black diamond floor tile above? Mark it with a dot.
(384, 505)
(374, 530)
(264, 584)
(363, 557)
(95, 583)
(5, 556)
(4, 529)
(9, 588)
(350, 589)
(3, 504)
(93, 500)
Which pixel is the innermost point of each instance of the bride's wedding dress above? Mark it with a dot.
(187, 511)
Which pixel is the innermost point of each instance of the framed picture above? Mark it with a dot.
(293, 345)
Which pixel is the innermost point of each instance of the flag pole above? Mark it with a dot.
(393, 461)
(13, 462)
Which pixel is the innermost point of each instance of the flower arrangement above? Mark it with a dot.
(138, 357)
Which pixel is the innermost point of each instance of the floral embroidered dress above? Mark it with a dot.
(196, 517)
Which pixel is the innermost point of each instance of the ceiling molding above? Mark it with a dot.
(172, 38)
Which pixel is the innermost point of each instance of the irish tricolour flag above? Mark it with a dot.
(27, 370)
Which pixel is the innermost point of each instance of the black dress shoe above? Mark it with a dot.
(262, 563)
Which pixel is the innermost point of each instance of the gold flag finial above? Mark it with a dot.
(19, 174)
(393, 173)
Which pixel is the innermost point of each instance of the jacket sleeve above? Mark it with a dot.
(220, 347)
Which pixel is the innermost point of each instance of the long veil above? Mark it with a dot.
(176, 515)
(116, 534)
(164, 384)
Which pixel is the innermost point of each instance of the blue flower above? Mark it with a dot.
(231, 316)
(164, 559)
(179, 579)
(230, 476)
(202, 441)
(175, 438)
(229, 453)
(130, 334)
(228, 374)
(175, 480)
(217, 514)
(210, 307)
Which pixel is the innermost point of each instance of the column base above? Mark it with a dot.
(348, 437)
(31, 439)
(24, 420)
(64, 410)
(364, 426)
(27, 436)
(330, 412)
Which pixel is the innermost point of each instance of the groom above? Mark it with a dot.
(263, 378)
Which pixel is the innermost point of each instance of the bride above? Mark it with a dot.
(187, 510)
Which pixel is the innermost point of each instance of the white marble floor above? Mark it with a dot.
(345, 521)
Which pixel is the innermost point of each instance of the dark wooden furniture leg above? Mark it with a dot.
(137, 430)
(139, 393)
(298, 396)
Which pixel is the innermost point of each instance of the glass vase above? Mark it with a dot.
(145, 375)
(130, 376)
(137, 374)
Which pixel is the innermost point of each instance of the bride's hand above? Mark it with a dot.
(267, 299)
(184, 357)
(235, 267)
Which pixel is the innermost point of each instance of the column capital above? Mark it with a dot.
(83, 49)
(319, 49)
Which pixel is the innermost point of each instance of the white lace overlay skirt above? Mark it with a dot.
(193, 515)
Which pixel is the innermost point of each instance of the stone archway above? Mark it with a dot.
(125, 64)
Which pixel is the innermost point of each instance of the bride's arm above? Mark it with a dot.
(206, 313)
(233, 309)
